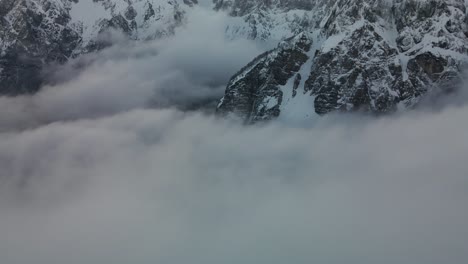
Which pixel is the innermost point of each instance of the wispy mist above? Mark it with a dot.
(102, 167)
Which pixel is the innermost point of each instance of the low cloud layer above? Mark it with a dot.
(184, 71)
(159, 186)
(101, 167)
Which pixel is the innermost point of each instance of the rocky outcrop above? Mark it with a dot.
(374, 56)
(254, 94)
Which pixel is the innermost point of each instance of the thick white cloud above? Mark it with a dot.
(159, 186)
(91, 174)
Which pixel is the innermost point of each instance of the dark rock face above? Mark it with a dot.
(254, 94)
(130, 13)
(28, 40)
(343, 78)
(374, 56)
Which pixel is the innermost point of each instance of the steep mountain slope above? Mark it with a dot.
(375, 56)
(255, 89)
(37, 32)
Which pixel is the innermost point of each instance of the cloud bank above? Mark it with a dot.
(102, 167)
(160, 186)
(186, 71)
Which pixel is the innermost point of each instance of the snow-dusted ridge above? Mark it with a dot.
(376, 56)
(372, 55)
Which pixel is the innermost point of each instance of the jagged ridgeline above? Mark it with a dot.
(334, 55)
(375, 56)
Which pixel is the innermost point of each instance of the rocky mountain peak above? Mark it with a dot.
(376, 56)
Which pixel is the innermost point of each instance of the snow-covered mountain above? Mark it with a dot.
(375, 56)
(34, 33)
(38, 32)
(271, 20)
(372, 55)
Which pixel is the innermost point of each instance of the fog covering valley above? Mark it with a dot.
(110, 163)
